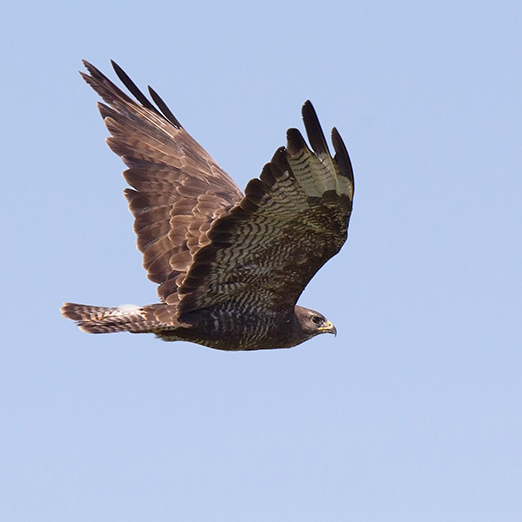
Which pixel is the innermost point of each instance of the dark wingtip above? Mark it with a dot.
(318, 141)
(342, 158)
(307, 105)
(122, 75)
(313, 129)
(103, 85)
(279, 163)
(295, 142)
(133, 88)
(156, 98)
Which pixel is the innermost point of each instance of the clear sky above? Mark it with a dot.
(414, 412)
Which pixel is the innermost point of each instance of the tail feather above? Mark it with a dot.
(101, 319)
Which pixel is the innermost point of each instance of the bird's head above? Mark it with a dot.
(313, 323)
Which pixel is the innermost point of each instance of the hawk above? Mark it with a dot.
(230, 266)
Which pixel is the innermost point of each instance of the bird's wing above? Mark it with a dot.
(177, 188)
(290, 222)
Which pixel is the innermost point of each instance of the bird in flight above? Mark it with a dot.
(230, 266)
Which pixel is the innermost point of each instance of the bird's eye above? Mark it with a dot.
(317, 320)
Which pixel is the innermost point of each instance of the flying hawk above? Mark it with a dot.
(230, 266)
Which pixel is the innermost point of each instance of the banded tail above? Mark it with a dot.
(102, 319)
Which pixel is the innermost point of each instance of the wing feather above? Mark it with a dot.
(178, 189)
(293, 218)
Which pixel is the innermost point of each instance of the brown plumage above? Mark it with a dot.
(230, 267)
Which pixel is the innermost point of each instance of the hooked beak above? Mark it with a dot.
(329, 328)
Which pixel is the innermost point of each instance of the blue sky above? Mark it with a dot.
(413, 412)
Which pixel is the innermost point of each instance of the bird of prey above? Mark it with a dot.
(230, 266)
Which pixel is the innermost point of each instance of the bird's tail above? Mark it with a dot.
(101, 319)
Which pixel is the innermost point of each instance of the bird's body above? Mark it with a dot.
(230, 267)
(212, 327)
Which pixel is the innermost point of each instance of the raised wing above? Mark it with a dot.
(290, 222)
(178, 189)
